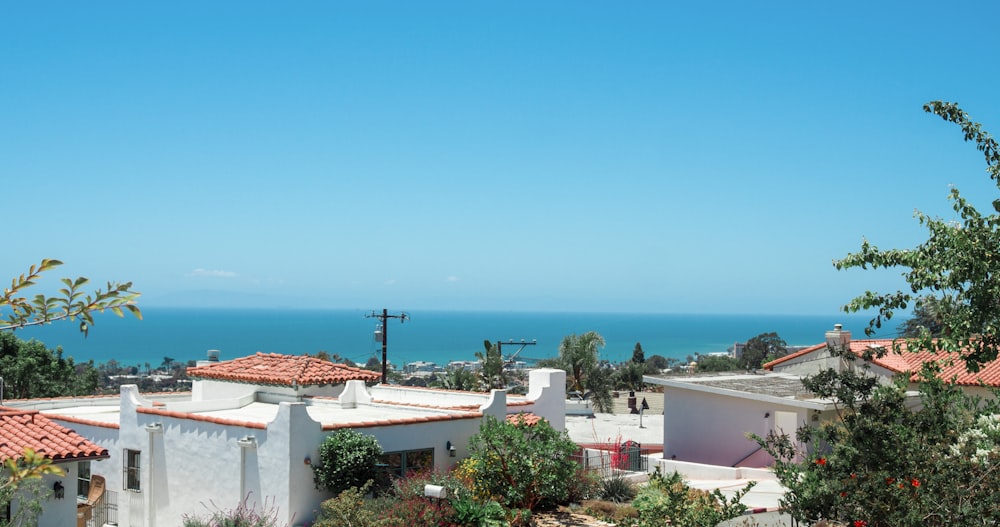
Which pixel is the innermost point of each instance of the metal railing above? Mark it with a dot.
(106, 510)
(615, 459)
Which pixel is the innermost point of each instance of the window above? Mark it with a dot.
(402, 463)
(82, 479)
(131, 476)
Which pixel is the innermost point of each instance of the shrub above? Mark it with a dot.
(520, 466)
(413, 512)
(471, 513)
(244, 515)
(667, 500)
(617, 489)
(885, 464)
(584, 485)
(346, 459)
(349, 508)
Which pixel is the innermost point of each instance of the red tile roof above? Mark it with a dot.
(28, 428)
(525, 418)
(282, 370)
(952, 367)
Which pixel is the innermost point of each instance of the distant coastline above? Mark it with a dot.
(434, 336)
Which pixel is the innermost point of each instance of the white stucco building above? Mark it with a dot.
(706, 417)
(251, 427)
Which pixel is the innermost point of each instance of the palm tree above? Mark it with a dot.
(492, 371)
(578, 354)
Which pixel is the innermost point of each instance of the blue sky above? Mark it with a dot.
(586, 156)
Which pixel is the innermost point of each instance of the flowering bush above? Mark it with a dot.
(667, 500)
(520, 466)
(885, 464)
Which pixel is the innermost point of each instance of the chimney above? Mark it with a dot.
(838, 339)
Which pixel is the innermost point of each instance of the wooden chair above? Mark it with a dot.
(85, 510)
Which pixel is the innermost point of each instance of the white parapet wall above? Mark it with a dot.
(547, 392)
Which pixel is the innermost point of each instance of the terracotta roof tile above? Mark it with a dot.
(528, 419)
(952, 367)
(410, 420)
(282, 370)
(195, 417)
(29, 428)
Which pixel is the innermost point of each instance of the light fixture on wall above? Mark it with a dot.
(767, 414)
(451, 449)
(58, 491)
(308, 460)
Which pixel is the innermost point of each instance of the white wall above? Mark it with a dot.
(704, 427)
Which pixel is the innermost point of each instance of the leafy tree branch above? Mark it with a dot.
(957, 269)
(72, 303)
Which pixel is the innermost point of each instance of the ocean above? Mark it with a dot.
(434, 336)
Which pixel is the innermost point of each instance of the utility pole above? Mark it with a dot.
(382, 317)
(509, 361)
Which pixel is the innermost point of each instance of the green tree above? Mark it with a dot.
(926, 317)
(762, 348)
(457, 379)
(491, 371)
(521, 466)
(637, 354)
(72, 303)
(630, 374)
(717, 363)
(958, 264)
(579, 355)
(346, 459)
(888, 460)
(656, 363)
(31, 370)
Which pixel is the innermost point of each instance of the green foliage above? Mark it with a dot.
(348, 509)
(21, 479)
(667, 500)
(637, 354)
(630, 375)
(244, 515)
(618, 489)
(584, 485)
(578, 355)
(471, 513)
(72, 303)
(958, 265)
(718, 363)
(346, 459)
(492, 375)
(657, 363)
(926, 318)
(29, 370)
(885, 464)
(457, 379)
(520, 466)
(762, 348)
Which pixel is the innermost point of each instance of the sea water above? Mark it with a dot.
(433, 336)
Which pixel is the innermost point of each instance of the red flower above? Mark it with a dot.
(860, 523)
(890, 481)
(853, 475)
(843, 494)
(821, 461)
(915, 482)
